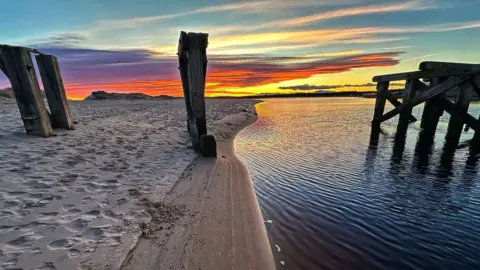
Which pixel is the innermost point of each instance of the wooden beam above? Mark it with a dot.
(382, 92)
(18, 65)
(428, 93)
(432, 65)
(394, 101)
(425, 74)
(462, 102)
(49, 68)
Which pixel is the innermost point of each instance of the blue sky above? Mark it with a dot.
(266, 45)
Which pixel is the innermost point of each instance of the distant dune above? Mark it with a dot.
(6, 93)
(102, 95)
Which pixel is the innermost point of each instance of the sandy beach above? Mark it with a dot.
(125, 190)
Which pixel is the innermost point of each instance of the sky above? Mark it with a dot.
(255, 47)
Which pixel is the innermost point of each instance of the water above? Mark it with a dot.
(336, 201)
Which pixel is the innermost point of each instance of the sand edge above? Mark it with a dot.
(223, 227)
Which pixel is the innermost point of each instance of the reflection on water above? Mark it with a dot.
(343, 196)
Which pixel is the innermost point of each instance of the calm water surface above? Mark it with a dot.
(337, 201)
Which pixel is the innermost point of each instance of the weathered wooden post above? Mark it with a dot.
(18, 67)
(408, 94)
(462, 102)
(381, 98)
(192, 58)
(432, 111)
(55, 91)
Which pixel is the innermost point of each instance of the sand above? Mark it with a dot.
(93, 197)
(222, 227)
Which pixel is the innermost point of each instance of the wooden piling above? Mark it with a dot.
(193, 67)
(18, 66)
(381, 98)
(196, 78)
(408, 94)
(432, 112)
(462, 102)
(61, 116)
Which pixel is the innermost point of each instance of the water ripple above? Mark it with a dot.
(339, 203)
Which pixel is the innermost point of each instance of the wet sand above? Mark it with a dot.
(93, 197)
(222, 227)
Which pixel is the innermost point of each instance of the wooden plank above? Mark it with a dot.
(394, 101)
(432, 65)
(425, 74)
(49, 68)
(430, 92)
(382, 92)
(19, 66)
(462, 102)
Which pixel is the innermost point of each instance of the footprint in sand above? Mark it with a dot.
(61, 244)
(24, 240)
(72, 253)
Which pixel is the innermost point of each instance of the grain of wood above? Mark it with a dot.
(462, 102)
(55, 91)
(18, 65)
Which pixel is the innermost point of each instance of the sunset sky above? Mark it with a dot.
(255, 47)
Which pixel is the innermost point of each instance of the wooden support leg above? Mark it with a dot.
(408, 94)
(423, 150)
(61, 116)
(382, 91)
(19, 69)
(397, 104)
(432, 112)
(455, 125)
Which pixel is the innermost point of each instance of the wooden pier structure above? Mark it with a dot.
(429, 85)
(192, 57)
(17, 64)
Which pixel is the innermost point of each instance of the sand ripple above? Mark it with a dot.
(72, 200)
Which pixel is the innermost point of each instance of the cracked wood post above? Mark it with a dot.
(182, 60)
(193, 63)
(408, 94)
(18, 66)
(61, 116)
(381, 98)
(462, 102)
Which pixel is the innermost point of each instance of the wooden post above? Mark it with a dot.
(196, 78)
(182, 59)
(382, 92)
(18, 67)
(193, 67)
(55, 91)
(408, 94)
(432, 112)
(455, 125)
